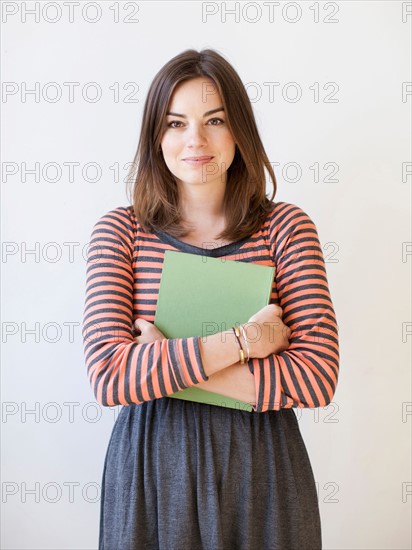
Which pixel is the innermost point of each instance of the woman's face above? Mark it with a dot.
(192, 130)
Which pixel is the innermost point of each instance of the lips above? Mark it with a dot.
(198, 158)
(196, 162)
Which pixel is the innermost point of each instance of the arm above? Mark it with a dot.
(306, 374)
(121, 371)
(235, 381)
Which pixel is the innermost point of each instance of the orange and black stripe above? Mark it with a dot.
(124, 266)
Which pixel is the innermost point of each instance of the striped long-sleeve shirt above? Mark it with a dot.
(124, 266)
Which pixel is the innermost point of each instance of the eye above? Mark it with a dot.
(216, 122)
(219, 119)
(173, 122)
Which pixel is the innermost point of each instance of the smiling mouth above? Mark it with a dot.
(197, 161)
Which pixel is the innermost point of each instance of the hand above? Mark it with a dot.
(266, 333)
(147, 332)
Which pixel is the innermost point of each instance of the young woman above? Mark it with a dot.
(181, 475)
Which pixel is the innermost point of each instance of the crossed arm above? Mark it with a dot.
(235, 381)
(125, 372)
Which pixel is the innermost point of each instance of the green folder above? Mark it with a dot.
(200, 296)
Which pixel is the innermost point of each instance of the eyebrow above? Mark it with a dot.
(206, 114)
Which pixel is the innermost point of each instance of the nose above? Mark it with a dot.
(196, 136)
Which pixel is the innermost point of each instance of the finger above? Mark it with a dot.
(142, 322)
(277, 310)
(137, 329)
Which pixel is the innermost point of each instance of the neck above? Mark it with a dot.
(202, 204)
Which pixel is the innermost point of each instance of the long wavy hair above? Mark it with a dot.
(152, 188)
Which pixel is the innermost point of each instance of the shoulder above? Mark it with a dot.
(121, 214)
(290, 228)
(287, 217)
(119, 222)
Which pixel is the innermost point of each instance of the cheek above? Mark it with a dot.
(229, 147)
(169, 146)
(228, 142)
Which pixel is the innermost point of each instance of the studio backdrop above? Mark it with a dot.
(330, 85)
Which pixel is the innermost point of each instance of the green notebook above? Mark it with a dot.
(200, 296)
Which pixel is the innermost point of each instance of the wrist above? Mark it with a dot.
(244, 353)
(245, 342)
(249, 334)
(230, 338)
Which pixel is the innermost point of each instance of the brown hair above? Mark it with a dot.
(155, 197)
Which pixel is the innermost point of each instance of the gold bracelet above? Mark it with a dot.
(246, 342)
(241, 352)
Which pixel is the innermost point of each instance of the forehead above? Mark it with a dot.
(197, 92)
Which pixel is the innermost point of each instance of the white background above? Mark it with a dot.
(52, 459)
